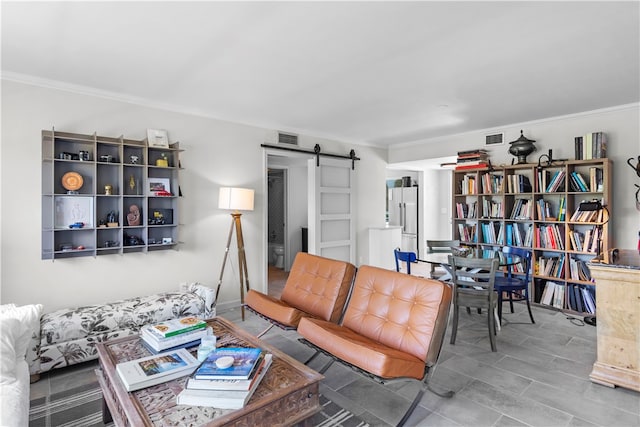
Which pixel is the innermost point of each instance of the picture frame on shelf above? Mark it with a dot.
(157, 138)
(71, 210)
(159, 186)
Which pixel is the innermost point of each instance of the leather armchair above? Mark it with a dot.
(316, 287)
(393, 328)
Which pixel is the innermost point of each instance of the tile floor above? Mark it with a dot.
(538, 377)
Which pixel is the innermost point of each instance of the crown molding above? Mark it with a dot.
(497, 129)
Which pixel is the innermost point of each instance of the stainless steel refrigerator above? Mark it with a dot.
(403, 212)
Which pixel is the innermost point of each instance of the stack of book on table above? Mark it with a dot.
(226, 379)
(156, 369)
(172, 334)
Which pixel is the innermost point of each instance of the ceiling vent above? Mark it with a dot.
(287, 138)
(495, 139)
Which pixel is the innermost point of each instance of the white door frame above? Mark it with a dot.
(267, 152)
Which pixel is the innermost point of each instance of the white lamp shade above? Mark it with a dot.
(238, 199)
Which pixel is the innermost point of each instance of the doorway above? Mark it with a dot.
(276, 229)
(286, 208)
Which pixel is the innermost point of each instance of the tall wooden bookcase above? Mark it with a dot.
(114, 175)
(510, 205)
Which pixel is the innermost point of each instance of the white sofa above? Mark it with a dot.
(69, 336)
(19, 327)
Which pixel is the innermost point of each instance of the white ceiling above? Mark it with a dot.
(377, 73)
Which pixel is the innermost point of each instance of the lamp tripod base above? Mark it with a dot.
(242, 260)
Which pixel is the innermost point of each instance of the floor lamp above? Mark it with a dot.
(236, 199)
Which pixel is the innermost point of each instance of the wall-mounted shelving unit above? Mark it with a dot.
(118, 177)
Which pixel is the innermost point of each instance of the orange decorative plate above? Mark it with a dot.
(72, 181)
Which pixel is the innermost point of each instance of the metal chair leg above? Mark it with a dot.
(265, 331)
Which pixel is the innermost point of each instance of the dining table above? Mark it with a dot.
(442, 259)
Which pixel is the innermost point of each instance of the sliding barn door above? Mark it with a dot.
(331, 209)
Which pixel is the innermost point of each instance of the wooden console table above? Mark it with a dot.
(288, 394)
(618, 320)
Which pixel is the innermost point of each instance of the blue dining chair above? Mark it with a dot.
(407, 257)
(515, 285)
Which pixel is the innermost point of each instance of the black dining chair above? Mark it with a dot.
(406, 257)
(514, 284)
(473, 281)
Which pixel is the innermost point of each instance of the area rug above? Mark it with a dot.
(82, 407)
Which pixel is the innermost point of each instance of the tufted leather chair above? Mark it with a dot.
(316, 287)
(393, 327)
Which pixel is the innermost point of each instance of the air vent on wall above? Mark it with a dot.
(494, 139)
(287, 138)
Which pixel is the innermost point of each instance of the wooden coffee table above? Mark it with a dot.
(287, 395)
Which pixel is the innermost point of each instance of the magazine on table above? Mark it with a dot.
(172, 327)
(243, 363)
(229, 385)
(224, 399)
(155, 369)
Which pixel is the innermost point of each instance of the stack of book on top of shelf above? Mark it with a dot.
(591, 146)
(156, 369)
(472, 159)
(173, 334)
(227, 378)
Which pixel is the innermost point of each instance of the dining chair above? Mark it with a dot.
(514, 284)
(473, 286)
(406, 257)
(444, 246)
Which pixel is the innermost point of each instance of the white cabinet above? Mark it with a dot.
(382, 242)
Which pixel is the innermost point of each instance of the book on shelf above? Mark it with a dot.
(592, 145)
(156, 369)
(224, 398)
(479, 165)
(589, 301)
(556, 183)
(155, 341)
(548, 293)
(578, 298)
(236, 384)
(245, 360)
(596, 181)
(172, 327)
(558, 296)
(582, 184)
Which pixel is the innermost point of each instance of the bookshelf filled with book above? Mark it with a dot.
(560, 211)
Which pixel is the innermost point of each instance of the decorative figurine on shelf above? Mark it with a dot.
(521, 148)
(133, 217)
(133, 159)
(112, 219)
(162, 161)
(132, 184)
(108, 190)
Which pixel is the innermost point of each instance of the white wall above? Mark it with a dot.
(622, 126)
(216, 154)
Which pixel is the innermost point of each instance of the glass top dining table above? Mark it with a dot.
(442, 259)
